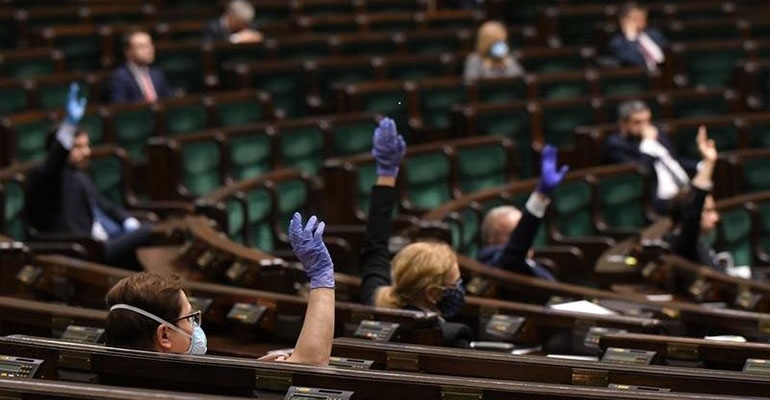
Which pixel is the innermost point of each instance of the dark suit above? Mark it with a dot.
(61, 199)
(125, 89)
(627, 52)
(215, 31)
(513, 255)
(687, 241)
(619, 149)
(376, 261)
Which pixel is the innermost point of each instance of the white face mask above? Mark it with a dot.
(198, 339)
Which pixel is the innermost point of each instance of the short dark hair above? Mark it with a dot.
(155, 293)
(628, 108)
(627, 8)
(126, 37)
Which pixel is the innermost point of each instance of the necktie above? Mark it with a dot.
(147, 88)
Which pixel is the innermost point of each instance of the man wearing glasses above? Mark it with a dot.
(149, 311)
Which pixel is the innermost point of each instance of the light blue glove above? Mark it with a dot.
(549, 177)
(75, 107)
(308, 245)
(388, 149)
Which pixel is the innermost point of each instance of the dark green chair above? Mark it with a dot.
(28, 131)
(756, 174)
(350, 134)
(512, 120)
(249, 218)
(562, 85)
(385, 98)
(15, 97)
(331, 74)
(12, 200)
(182, 64)
(81, 44)
(437, 96)
(711, 65)
(237, 53)
(560, 118)
(201, 166)
(628, 81)
(701, 104)
(759, 132)
(763, 211)
(465, 227)
(184, 115)
(438, 41)
(622, 200)
(571, 209)
(734, 235)
(106, 169)
(31, 63)
(367, 177)
(250, 153)
(428, 179)
(95, 124)
(300, 48)
(241, 108)
(501, 90)
(285, 80)
(292, 193)
(724, 133)
(484, 164)
(133, 125)
(416, 67)
(552, 60)
(301, 146)
(366, 44)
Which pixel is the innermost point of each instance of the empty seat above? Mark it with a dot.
(25, 135)
(132, 125)
(183, 115)
(182, 64)
(30, 63)
(84, 46)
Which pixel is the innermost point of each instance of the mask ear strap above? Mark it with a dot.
(151, 316)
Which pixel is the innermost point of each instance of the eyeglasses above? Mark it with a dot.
(196, 316)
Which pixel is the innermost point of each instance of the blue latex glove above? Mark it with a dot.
(75, 107)
(388, 149)
(549, 176)
(308, 245)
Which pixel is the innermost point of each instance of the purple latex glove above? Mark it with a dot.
(75, 107)
(308, 245)
(549, 176)
(388, 148)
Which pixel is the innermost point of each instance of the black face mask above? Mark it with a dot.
(452, 301)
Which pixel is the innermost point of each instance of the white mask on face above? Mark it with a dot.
(198, 339)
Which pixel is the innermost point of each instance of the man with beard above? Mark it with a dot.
(63, 199)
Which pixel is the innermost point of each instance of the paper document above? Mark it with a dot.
(583, 306)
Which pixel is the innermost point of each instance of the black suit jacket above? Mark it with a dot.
(627, 51)
(125, 89)
(376, 261)
(215, 31)
(61, 198)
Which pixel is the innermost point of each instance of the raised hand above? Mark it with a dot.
(75, 107)
(388, 148)
(308, 245)
(706, 147)
(549, 176)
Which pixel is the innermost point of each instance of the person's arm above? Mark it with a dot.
(473, 68)
(515, 253)
(388, 150)
(702, 184)
(314, 345)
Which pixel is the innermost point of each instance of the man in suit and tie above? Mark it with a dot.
(638, 140)
(63, 199)
(236, 25)
(508, 233)
(136, 80)
(637, 44)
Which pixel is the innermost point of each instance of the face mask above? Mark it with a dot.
(499, 49)
(452, 300)
(198, 339)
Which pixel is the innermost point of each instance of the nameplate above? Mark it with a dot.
(307, 393)
(595, 333)
(628, 356)
(638, 388)
(350, 363)
(83, 334)
(504, 326)
(376, 330)
(246, 313)
(757, 366)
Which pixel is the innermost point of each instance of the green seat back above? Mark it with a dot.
(291, 195)
(764, 227)
(391, 102)
(30, 139)
(287, 90)
(515, 124)
(243, 53)
(183, 68)
(564, 89)
(243, 112)
(303, 51)
(31, 68)
(107, 175)
(701, 107)
(367, 176)
(82, 53)
(428, 180)
(481, 167)
(330, 78)
(436, 103)
(260, 205)
(132, 130)
(712, 69)
(352, 138)
(756, 174)
(502, 91)
(52, 96)
(725, 137)
(250, 155)
(236, 220)
(735, 231)
(437, 45)
(572, 203)
(559, 123)
(759, 134)
(553, 63)
(465, 234)
(368, 48)
(577, 29)
(185, 118)
(201, 162)
(13, 224)
(302, 148)
(409, 71)
(14, 100)
(93, 123)
(621, 198)
(624, 85)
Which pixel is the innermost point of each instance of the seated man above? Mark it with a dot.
(636, 44)
(236, 25)
(508, 234)
(151, 312)
(136, 80)
(639, 141)
(63, 199)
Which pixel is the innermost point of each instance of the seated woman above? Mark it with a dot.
(425, 275)
(693, 212)
(492, 57)
(151, 312)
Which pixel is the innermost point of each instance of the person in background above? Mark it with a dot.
(137, 80)
(638, 140)
(492, 57)
(235, 25)
(423, 276)
(63, 199)
(637, 44)
(508, 234)
(149, 311)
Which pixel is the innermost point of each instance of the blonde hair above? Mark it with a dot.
(416, 267)
(488, 34)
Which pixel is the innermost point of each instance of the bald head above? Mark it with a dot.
(498, 225)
